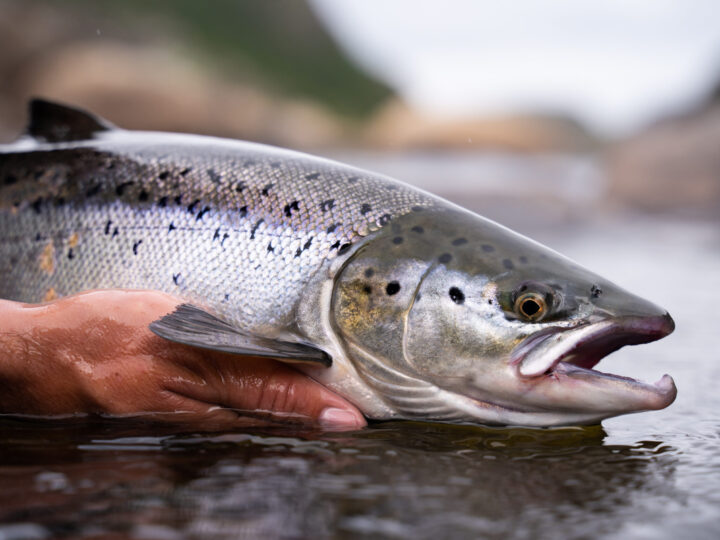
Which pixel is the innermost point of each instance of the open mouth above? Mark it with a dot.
(561, 353)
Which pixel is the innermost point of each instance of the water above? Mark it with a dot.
(650, 475)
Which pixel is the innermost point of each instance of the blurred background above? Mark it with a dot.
(576, 106)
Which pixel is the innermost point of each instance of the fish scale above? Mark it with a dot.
(237, 226)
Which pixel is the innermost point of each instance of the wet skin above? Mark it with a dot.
(92, 353)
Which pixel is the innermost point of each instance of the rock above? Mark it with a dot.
(673, 166)
(397, 126)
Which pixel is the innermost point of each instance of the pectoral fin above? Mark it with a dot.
(193, 326)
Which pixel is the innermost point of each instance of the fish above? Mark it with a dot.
(405, 304)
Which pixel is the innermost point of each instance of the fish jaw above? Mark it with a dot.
(555, 369)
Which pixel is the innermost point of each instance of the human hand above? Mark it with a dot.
(93, 354)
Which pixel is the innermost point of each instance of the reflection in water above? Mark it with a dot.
(394, 479)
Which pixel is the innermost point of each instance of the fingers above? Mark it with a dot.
(265, 389)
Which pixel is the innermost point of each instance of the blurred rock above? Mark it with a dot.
(137, 70)
(154, 88)
(673, 166)
(396, 126)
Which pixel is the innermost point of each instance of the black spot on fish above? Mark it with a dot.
(418, 229)
(384, 219)
(456, 295)
(352, 179)
(487, 248)
(313, 176)
(120, 189)
(38, 237)
(397, 240)
(217, 234)
(202, 213)
(295, 205)
(367, 289)
(59, 201)
(178, 199)
(417, 209)
(523, 259)
(227, 296)
(16, 204)
(508, 264)
(136, 245)
(391, 187)
(331, 228)
(243, 211)
(240, 186)
(335, 245)
(306, 246)
(185, 171)
(172, 227)
(10, 179)
(369, 272)
(344, 248)
(267, 188)
(255, 228)
(595, 291)
(143, 196)
(107, 226)
(214, 176)
(93, 190)
(176, 279)
(115, 232)
(327, 205)
(162, 203)
(392, 288)
(445, 258)
(459, 241)
(365, 208)
(36, 204)
(270, 247)
(71, 254)
(164, 175)
(225, 237)
(193, 206)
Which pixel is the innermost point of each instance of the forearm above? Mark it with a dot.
(34, 378)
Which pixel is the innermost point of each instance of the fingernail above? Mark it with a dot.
(332, 417)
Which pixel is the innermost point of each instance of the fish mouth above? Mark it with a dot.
(560, 362)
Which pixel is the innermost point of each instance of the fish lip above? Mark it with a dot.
(556, 369)
(585, 344)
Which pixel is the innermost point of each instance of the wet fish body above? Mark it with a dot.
(412, 302)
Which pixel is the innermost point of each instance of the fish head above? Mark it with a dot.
(504, 329)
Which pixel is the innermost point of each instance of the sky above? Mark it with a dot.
(616, 65)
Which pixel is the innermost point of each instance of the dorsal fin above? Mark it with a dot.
(54, 122)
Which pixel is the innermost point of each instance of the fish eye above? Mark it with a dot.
(531, 306)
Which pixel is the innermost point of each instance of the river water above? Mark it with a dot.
(650, 475)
